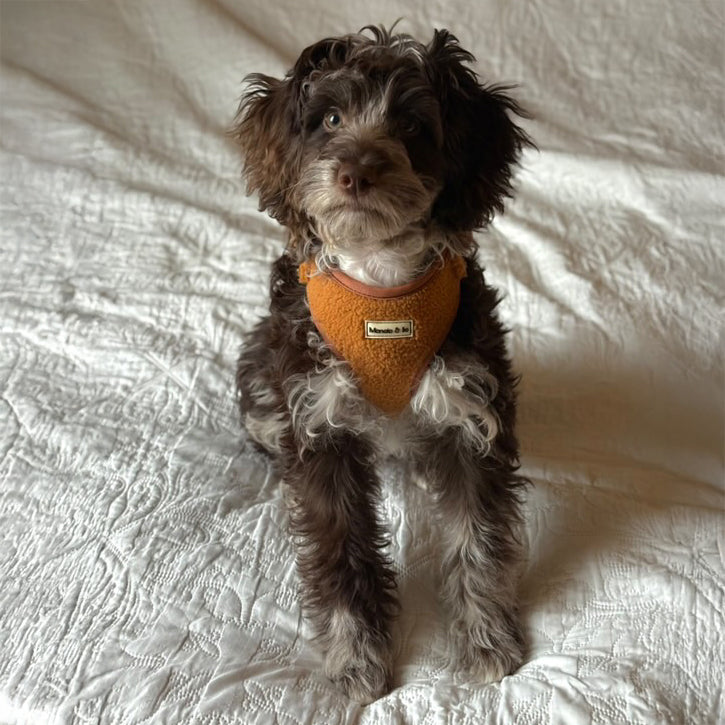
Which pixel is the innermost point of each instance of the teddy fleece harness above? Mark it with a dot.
(387, 335)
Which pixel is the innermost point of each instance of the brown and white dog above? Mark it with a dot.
(381, 155)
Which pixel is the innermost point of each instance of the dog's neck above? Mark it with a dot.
(385, 263)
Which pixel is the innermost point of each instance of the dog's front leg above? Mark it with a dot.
(347, 582)
(478, 507)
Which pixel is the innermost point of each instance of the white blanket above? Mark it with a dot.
(145, 572)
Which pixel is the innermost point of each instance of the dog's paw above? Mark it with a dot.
(487, 665)
(488, 656)
(358, 659)
(361, 681)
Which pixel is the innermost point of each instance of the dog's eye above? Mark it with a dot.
(410, 126)
(333, 120)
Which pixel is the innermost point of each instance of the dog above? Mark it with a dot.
(381, 155)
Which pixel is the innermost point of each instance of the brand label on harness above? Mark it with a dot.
(391, 329)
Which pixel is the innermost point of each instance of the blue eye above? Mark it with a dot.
(333, 120)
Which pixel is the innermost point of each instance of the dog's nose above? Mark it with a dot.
(355, 178)
(359, 176)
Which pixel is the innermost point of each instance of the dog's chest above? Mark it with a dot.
(387, 336)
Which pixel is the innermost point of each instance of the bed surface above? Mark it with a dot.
(146, 573)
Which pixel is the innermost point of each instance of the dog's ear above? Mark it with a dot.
(268, 126)
(481, 142)
(265, 130)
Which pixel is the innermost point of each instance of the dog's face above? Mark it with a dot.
(371, 136)
(372, 149)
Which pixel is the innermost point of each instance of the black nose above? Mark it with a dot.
(358, 176)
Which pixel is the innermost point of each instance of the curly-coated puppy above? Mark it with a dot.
(381, 155)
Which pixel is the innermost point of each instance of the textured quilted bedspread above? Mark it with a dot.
(145, 572)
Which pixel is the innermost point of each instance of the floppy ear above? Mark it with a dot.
(480, 141)
(268, 127)
(265, 130)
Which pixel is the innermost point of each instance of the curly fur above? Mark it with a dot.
(379, 154)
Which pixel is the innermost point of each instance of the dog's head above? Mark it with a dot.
(374, 134)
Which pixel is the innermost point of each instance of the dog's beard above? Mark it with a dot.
(400, 200)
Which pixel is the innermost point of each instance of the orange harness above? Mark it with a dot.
(387, 335)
